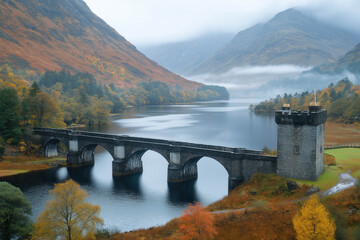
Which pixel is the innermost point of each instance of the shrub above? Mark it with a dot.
(329, 160)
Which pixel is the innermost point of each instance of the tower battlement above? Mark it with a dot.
(314, 116)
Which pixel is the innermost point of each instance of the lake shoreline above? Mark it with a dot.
(17, 165)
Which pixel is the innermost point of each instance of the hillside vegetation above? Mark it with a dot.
(42, 35)
(80, 99)
(269, 215)
(349, 62)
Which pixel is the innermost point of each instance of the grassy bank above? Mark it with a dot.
(347, 160)
(12, 165)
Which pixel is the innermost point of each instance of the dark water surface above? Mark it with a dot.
(146, 200)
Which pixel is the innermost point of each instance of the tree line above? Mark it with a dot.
(24, 107)
(84, 101)
(342, 101)
(60, 99)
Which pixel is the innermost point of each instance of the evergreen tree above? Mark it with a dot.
(9, 119)
(14, 213)
(34, 89)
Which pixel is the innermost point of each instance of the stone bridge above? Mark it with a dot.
(182, 157)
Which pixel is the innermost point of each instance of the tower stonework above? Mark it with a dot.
(300, 142)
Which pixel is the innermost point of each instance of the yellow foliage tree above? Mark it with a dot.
(313, 221)
(67, 216)
(197, 223)
(42, 111)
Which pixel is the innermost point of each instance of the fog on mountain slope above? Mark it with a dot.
(291, 37)
(247, 81)
(350, 62)
(265, 82)
(179, 57)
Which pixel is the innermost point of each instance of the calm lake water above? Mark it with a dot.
(146, 200)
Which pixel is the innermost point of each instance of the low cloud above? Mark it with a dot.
(249, 77)
(151, 22)
(268, 81)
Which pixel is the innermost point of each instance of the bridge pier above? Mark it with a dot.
(123, 165)
(75, 158)
(234, 182)
(177, 174)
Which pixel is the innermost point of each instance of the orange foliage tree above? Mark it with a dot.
(313, 221)
(197, 223)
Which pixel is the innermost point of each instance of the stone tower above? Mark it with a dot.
(300, 142)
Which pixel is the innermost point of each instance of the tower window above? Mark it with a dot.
(296, 150)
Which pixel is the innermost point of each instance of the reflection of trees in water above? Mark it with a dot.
(129, 185)
(266, 115)
(33, 179)
(182, 193)
(82, 175)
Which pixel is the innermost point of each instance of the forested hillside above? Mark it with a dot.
(80, 99)
(42, 35)
(342, 101)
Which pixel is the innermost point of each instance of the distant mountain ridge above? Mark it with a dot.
(291, 37)
(179, 57)
(51, 35)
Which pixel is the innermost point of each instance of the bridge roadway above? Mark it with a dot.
(182, 157)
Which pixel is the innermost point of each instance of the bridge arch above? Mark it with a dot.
(190, 165)
(87, 152)
(51, 147)
(135, 154)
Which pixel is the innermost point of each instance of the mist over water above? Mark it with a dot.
(268, 81)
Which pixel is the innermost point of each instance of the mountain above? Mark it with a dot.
(291, 37)
(179, 57)
(44, 35)
(349, 62)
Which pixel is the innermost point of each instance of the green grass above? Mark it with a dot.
(347, 159)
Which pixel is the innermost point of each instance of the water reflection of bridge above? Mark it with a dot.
(182, 157)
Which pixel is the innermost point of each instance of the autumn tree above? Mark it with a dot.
(68, 216)
(14, 213)
(313, 221)
(197, 223)
(41, 110)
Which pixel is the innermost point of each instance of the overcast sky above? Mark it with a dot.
(151, 22)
